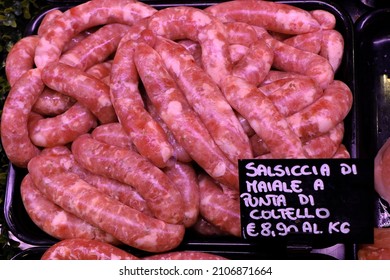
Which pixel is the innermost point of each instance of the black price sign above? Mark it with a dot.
(308, 200)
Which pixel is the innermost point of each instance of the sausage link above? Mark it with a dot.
(52, 103)
(274, 75)
(325, 113)
(263, 117)
(115, 189)
(185, 255)
(218, 208)
(291, 59)
(326, 145)
(368, 252)
(53, 220)
(185, 22)
(76, 196)
(240, 33)
(146, 134)
(272, 16)
(95, 48)
(256, 58)
(174, 109)
(379, 250)
(14, 131)
(61, 129)
(332, 47)
(322, 146)
(310, 42)
(291, 95)
(326, 19)
(255, 64)
(237, 52)
(82, 17)
(114, 134)
(20, 58)
(194, 49)
(128, 167)
(206, 99)
(89, 91)
(184, 178)
(381, 171)
(83, 249)
(100, 70)
(179, 153)
(48, 20)
(205, 228)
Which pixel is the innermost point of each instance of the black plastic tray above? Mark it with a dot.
(373, 87)
(25, 230)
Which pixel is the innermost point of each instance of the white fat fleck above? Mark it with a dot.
(324, 124)
(219, 170)
(150, 239)
(70, 59)
(60, 219)
(201, 19)
(166, 153)
(115, 257)
(206, 200)
(309, 96)
(172, 63)
(255, 125)
(287, 18)
(104, 101)
(39, 139)
(67, 164)
(174, 108)
(227, 146)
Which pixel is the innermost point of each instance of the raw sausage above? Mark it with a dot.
(52, 103)
(185, 255)
(53, 220)
(76, 196)
(332, 47)
(82, 17)
(218, 208)
(146, 134)
(95, 48)
(291, 59)
(83, 249)
(291, 95)
(114, 134)
(206, 99)
(325, 113)
(184, 177)
(183, 22)
(381, 171)
(326, 19)
(263, 117)
(179, 153)
(310, 42)
(174, 109)
(272, 16)
(129, 167)
(20, 58)
(89, 91)
(255, 64)
(61, 129)
(380, 249)
(14, 132)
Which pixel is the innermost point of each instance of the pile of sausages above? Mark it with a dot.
(131, 119)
